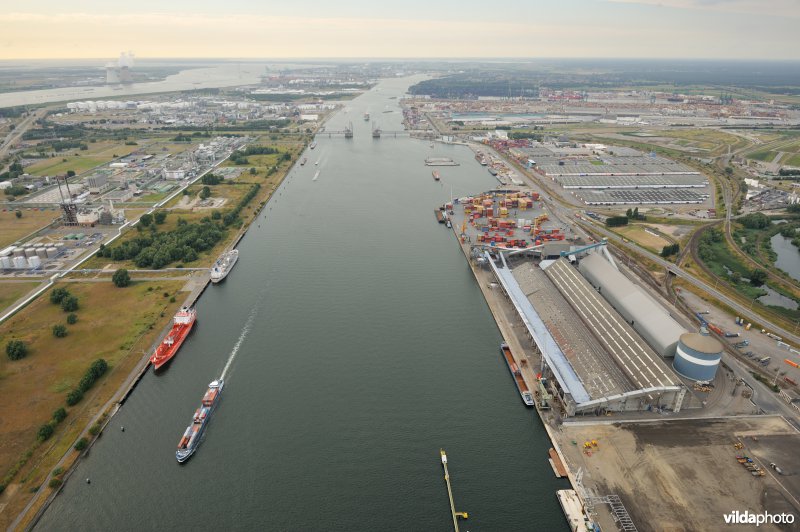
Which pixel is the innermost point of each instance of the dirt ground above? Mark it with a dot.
(682, 474)
(638, 234)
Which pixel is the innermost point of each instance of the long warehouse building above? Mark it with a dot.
(646, 316)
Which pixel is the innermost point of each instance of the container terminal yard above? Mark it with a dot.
(615, 373)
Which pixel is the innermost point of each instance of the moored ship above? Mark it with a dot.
(194, 433)
(436, 175)
(313, 145)
(182, 323)
(366, 117)
(526, 395)
(304, 161)
(224, 265)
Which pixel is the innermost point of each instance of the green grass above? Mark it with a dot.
(10, 292)
(794, 160)
(763, 155)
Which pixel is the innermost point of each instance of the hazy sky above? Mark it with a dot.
(746, 29)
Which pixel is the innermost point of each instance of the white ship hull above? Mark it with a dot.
(224, 265)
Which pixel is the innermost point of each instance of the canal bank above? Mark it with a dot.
(369, 347)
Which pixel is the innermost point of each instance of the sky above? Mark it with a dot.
(718, 29)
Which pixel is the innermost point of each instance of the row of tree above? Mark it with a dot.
(616, 221)
(672, 249)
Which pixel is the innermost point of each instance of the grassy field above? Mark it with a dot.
(11, 291)
(13, 228)
(114, 324)
(794, 160)
(80, 161)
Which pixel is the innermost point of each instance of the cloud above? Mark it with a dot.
(778, 8)
(170, 34)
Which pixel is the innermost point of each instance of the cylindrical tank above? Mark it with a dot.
(18, 252)
(41, 253)
(697, 357)
(20, 263)
(51, 252)
(30, 252)
(35, 262)
(6, 263)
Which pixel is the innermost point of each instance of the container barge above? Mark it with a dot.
(182, 323)
(193, 434)
(526, 395)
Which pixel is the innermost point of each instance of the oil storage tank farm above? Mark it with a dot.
(697, 357)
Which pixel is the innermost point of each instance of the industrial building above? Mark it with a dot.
(646, 316)
(640, 196)
(697, 357)
(592, 360)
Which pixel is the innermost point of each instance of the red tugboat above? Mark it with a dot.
(182, 323)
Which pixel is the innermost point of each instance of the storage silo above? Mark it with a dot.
(20, 263)
(30, 252)
(19, 252)
(51, 252)
(6, 262)
(35, 262)
(697, 357)
(41, 253)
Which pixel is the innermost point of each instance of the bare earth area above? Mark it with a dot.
(683, 474)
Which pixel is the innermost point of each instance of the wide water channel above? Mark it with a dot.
(363, 345)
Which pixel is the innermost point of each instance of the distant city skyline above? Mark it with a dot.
(716, 29)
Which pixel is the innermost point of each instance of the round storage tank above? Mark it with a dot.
(35, 262)
(41, 253)
(51, 252)
(697, 357)
(20, 263)
(6, 263)
(30, 252)
(19, 252)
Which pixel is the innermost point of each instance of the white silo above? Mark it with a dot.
(51, 252)
(6, 263)
(35, 262)
(30, 252)
(41, 252)
(20, 263)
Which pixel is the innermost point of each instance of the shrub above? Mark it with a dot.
(16, 349)
(121, 278)
(59, 331)
(69, 304)
(758, 277)
(72, 318)
(57, 471)
(55, 483)
(616, 221)
(81, 444)
(74, 397)
(146, 220)
(45, 431)
(160, 217)
(58, 295)
(94, 430)
(59, 415)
